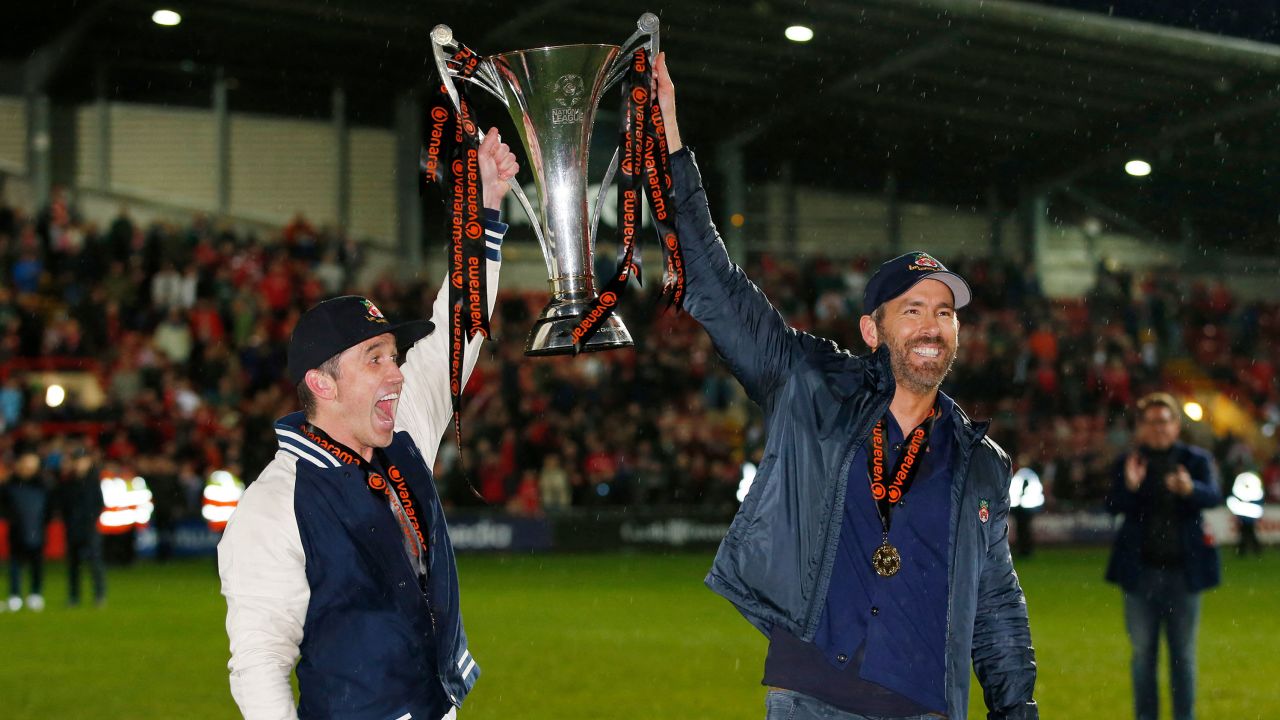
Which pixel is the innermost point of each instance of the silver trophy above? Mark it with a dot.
(551, 95)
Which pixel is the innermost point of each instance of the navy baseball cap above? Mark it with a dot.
(902, 273)
(342, 322)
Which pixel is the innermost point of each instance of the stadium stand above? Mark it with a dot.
(185, 328)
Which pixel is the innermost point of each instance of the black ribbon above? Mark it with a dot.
(888, 492)
(453, 133)
(643, 169)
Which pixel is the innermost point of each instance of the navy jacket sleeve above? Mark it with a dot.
(747, 331)
(1206, 492)
(1003, 658)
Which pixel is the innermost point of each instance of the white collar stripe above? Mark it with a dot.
(304, 444)
(301, 456)
(319, 458)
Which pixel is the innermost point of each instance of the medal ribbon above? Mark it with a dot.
(643, 168)
(888, 492)
(404, 504)
(453, 130)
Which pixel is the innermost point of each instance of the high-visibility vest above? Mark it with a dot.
(1247, 494)
(126, 504)
(222, 493)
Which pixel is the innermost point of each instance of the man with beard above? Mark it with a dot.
(338, 557)
(873, 546)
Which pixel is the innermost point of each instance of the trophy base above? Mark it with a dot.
(552, 334)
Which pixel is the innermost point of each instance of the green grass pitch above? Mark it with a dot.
(607, 636)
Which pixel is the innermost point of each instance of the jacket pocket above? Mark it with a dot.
(749, 512)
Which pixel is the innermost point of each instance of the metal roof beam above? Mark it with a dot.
(1112, 56)
(1154, 136)
(1015, 91)
(898, 62)
(44, 62)
(1110, 214)
(1033, 67)
(963, 113)
(895, 63)
(355, 16)
(1095, 28)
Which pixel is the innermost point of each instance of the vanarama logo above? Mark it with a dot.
(332, 448)
(374, 314)
(926, 263)
(607, 301)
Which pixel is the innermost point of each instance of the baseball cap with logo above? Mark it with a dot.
(342, 322)
(902, 273)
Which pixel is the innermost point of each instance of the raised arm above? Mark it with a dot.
(746, 329)
(426, 404)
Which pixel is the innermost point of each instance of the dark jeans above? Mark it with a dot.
(19, 555)
(1163, 600)
(89, 550)
(791, 705)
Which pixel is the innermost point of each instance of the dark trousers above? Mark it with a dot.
(90, 551)
(19, 555)
(1249, 543)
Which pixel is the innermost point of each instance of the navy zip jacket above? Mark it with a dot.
(820, 404)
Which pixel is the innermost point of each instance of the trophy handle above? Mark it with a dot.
(487, 78)
(646, 27)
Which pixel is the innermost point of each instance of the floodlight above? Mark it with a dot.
(1194, 410)
(1138, 168)
(167, 18)
(799, 33)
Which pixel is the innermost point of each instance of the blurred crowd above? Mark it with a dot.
(186, 328)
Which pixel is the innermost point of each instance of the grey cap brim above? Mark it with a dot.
(959, 288)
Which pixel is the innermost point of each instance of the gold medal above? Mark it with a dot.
(886, 560)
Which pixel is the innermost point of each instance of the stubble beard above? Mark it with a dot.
(921, 381)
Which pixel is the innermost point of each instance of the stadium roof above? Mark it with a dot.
(961, 101)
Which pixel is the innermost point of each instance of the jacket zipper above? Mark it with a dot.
(837, 518)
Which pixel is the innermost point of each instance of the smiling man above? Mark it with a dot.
(337, 557)
(873, 547)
